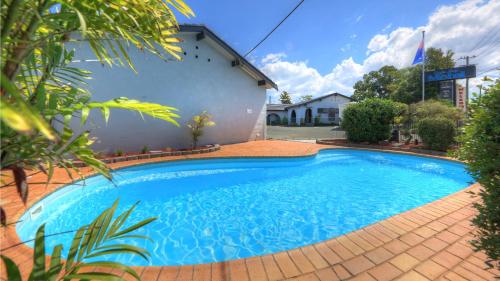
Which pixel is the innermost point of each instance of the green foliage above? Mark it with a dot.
(369, 120)
(284, 121)
(197, 125)
(285, 98)
(145, 149)
(90, 242)
(404, 85)
(435, 59)
(40, 89)
(306, 98)
(479, 146)
(437, 133)
(377, 84)
(435, 109)
(119, 152)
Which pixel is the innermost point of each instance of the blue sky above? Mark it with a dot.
(327, 45)
(316, 32)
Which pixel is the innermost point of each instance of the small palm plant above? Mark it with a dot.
(197, 124)
(90, 242)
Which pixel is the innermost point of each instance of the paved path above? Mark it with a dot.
(426, 243)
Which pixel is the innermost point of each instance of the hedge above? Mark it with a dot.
(436, 133)
(369, 120)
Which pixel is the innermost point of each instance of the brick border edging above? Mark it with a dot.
(118, 159)
(382, 147)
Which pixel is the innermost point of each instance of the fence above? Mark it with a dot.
(411, 127)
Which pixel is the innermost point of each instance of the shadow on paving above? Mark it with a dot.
(304, 133)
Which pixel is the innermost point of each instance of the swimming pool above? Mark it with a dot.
(224, 209)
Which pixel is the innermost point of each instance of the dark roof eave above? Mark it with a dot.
(220, 42)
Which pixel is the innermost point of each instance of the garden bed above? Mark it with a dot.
(155, 154)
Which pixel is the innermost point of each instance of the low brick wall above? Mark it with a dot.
(117, 159)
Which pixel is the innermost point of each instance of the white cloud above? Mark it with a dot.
(272, 58)
(359, 18)
(353, 36)
(458, 27)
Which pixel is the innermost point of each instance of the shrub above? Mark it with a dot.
(119, 152)
(369, 120)
(197, 124)
(435, 109)
(479, 145)
(145, 149)
(436, 133)
(284, 121)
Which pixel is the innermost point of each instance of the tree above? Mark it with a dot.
(404, 85)
(377, 84)
(409, 87)
(306, 98)
(285, 98)
(479, 146)
(435, 58)
(39, 89)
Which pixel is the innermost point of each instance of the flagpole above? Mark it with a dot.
(423, 66)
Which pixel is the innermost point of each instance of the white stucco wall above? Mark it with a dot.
(279, 113)
(206, 82)
(334, 101)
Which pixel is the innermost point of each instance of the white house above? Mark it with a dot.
(326, 109)
(212, 77)
(276, 113)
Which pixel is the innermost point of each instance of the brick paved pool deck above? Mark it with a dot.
(426, 243)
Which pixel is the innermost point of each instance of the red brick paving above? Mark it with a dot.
(427, 243)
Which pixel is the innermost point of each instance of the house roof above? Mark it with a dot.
(239, 60)
(277, 107)
(318, 99)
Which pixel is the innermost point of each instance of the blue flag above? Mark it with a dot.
(419, 56)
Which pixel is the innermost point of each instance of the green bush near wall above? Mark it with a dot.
(479, 146)
(369, 120)
(437, 133)
(284, 121)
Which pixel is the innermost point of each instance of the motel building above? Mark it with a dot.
(324, 110)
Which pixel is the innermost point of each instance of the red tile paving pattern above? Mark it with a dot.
(427, 243)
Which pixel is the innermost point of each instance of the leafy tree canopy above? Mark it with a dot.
(377, 84)
(285, 98)
(404, 85)
(306, 98)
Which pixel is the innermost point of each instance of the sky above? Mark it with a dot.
(326, 46)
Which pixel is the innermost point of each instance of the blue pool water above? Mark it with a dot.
(223, 209)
